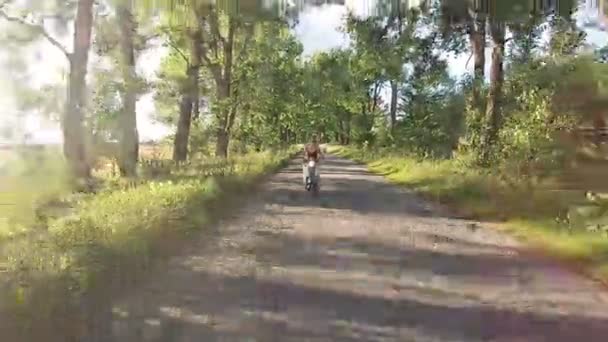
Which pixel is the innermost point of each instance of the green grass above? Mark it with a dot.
(527, 212)
(26, 183)
(111, 240)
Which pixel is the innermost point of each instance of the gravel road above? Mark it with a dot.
(366, 261)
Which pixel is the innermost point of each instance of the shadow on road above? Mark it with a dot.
(226, 308)
(357, 254)
(360, 195)
(421, 279)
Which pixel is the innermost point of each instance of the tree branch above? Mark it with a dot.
(38, 27)
(468, 60)
(237, 81)
(233, 110)
(214, 32)
(215, 26)
(151, 36)
(248, 40)
(229, 51)
(243, 54)
(180, 52)
(214, 67)
(54, 16)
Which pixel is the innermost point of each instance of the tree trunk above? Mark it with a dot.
(341, 131)
(221, 147)
(393, 110)
(347, 128)
(224, 93)
(190, 97)
(180, 144)
(375, 97)
(221, 144)
(492, 115)
(129, 138)
(74, 147)
(477, 38)
(197, 57)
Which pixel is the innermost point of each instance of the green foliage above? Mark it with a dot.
(433, 127)
(201, 138)
(172, 78)
(271, 110)
(116, 235)
(528, 135)
(29, 181)
(473, 193)
(281, 98)
(108, 86)
(566, 37)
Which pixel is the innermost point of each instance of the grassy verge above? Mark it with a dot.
(56, 284)
(25, 182)
(526, 212)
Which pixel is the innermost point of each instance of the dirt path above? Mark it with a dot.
(367, 261)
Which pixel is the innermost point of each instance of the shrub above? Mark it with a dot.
(111, 239)
(29, 181)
